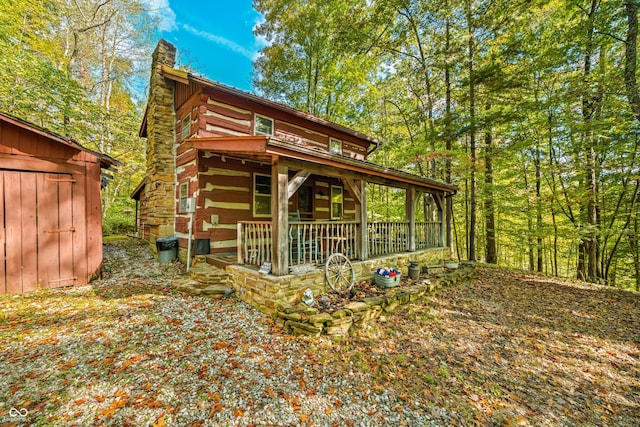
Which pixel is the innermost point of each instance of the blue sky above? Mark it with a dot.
(213, 37)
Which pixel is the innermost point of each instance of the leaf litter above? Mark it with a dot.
(507, 349)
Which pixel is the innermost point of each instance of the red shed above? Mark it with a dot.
(50, 214)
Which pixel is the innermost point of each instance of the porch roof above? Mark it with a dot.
(272, 150)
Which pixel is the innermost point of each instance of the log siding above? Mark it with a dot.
(222, 115)
(225, 188)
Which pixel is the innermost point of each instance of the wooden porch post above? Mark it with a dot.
(410, 207)
(361, 215)
(279, 219)
(358, 189)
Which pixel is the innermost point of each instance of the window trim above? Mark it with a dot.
(255, 124)
(338, 149)
(253, 208)
(186, 134)
(341, 202)
(182, 198)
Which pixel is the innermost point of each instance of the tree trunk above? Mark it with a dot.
(530, 239)
(490, 221)
(588, 263)
(447, 130)
(630, 64)
(633, 242)
(472, 136)
(536, 161)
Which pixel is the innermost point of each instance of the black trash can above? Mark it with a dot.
(167, 248)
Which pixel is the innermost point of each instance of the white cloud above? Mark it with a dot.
(161, 10)
(261, 41)
(222, 41)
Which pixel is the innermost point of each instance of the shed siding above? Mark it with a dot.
(51, 224)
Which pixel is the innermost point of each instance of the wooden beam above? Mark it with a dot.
(316, 169)
(410, 206)
(42, 164)
(353, 189)
(175, 75)
(222, 144)
(398, 178)
(296, 182)
(439, 199)
(279, 219)
(361, 215)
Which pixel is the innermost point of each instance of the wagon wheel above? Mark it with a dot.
(339, 272)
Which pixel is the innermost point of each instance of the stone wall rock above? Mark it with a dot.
(358, 315)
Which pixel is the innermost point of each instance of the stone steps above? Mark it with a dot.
(205, 280)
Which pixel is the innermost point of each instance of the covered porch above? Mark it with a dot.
(289, 238)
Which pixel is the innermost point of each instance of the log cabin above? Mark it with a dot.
(265, 182)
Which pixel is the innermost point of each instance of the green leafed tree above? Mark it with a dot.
(531, 108)
(73, 66)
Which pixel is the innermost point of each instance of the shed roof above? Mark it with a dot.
(106, 161)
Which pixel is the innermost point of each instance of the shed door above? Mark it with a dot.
(37, 231)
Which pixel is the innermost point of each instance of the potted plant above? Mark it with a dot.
(387, 277)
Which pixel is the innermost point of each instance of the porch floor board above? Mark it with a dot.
(221, 260)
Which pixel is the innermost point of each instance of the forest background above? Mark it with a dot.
(530, 107)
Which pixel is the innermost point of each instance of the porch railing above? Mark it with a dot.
(387, 237)
(428, 235)
(313, 242)
(254, 242)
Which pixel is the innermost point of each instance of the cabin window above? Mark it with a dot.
(186, 127)
(336, 202)
(262, 125)
(183, 195)
(335, 146)
(261, 195)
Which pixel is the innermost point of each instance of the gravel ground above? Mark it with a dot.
(126, 350)
(508, 349)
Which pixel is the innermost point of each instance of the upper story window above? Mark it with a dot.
(262, 125)
(261, 195)
(335, 146)
(186, 126)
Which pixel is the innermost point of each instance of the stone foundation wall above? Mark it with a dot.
(267, 292)
(300, 319)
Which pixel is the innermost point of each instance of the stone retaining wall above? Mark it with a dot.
(300, 319)
(268, 292)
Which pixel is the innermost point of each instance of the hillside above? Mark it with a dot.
(507, 349)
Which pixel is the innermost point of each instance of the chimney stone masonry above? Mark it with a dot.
(160, 191)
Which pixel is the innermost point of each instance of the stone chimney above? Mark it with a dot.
(160, 190)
